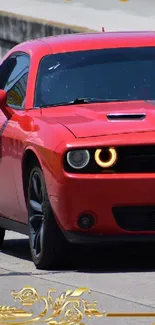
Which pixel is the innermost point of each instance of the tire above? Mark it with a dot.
(47, 243)
(2, 235)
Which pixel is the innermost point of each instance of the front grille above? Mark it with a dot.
(135, 159)
(135, 218)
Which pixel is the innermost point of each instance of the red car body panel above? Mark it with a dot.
(49, 132)
(93, 121)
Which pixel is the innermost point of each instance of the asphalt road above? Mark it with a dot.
(121, 279)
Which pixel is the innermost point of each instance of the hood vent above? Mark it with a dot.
(129, 116)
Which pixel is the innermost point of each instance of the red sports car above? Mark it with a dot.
(77, 132)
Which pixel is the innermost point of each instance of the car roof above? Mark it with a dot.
(88, 41)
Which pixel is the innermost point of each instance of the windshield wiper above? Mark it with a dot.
(94, 100)
(86, 100)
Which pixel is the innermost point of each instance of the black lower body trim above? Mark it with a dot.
(90, 239)
(13, 225)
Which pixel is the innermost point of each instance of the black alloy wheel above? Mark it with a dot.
(47, 243)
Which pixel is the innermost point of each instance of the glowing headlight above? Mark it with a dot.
(78, 159)
(106, 162)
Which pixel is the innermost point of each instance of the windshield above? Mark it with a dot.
(124, 74)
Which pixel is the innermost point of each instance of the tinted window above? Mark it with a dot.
(16, 81)
(124, 74)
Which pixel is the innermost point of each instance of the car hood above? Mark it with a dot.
(92, 120)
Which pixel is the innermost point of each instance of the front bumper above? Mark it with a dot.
(98, 195)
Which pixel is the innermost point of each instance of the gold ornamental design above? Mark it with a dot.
(67, 309)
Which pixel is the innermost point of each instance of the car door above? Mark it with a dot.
(13, 79)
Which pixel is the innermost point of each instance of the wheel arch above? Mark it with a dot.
(29, 160)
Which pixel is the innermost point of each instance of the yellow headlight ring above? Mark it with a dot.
(106, 164)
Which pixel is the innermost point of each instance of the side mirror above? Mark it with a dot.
(8, 111)
(26, 122)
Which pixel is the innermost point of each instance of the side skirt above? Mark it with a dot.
(14, 226)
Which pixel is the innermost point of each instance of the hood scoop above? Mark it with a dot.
(126, 116)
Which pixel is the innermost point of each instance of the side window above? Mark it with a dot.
(16, 82)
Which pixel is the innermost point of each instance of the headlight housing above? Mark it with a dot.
(106, 158)
(78, 159)
(91, 160)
